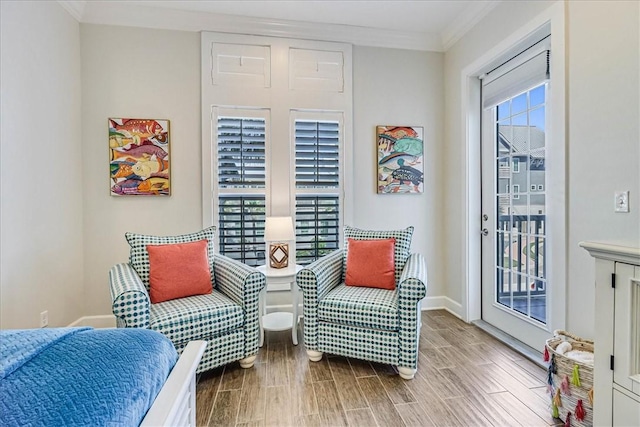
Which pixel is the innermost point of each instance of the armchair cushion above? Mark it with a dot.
(359, 306)
(401, 252)
(178, 270)
(139, 257)
(370, 263)
(196, 317)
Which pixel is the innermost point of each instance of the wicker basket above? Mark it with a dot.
(565, 366)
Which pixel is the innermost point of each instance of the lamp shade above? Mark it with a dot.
(278, 229)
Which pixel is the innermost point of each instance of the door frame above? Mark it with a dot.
(553, 17)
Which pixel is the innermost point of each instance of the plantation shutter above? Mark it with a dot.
(317, 154)
(317, 180)
(241, 182)
(241, 152)
(241, 228)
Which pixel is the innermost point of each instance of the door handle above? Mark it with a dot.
(484, 232)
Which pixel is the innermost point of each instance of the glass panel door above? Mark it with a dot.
(514, 203)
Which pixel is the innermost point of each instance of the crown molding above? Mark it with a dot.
(74, 7)
(123, 14)
(466, 21)
(612, 252)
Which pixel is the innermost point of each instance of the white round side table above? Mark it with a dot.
(279, 320)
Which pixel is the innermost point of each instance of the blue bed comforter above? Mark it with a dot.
(81, 376)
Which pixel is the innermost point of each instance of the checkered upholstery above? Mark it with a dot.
(209, 315)
(316, 280)
(139, 257)
(242, 284)
(360, 343)
(402, 248)
(365, 323)
(130, 297)
(227, 318)
(229, 348)
(359, 306)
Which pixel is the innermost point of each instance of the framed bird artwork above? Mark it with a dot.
(400, 159)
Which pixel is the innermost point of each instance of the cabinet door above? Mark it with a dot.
(627, 327)
(626, 411)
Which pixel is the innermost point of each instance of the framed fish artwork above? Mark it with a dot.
(139, 157)
(400, 159)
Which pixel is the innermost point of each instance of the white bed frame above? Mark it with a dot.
(175, 404)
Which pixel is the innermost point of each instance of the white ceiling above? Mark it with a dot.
(443, 21)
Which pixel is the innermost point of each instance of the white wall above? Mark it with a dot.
(155, 73)
(133, 72)
(138, 73)
(400, 87)
(603, 138)
(42, 167)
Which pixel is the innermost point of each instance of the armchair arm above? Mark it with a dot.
(242, 284)
(411, 289)
(316, 280)
(130, 299)
(413, 280)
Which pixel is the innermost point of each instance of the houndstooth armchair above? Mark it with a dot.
(365, 323)
(227, 318)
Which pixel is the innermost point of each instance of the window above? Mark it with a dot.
(317, 186)
(241, 228)
(516, 165)
(275, 149)
(520, 279)
(241, 183)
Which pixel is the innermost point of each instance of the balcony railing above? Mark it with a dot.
(521, 255)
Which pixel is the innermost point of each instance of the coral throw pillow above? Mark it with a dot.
(178, 270)
(370, 263)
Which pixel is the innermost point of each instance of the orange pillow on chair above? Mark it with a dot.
(371, 263)
(178, 270)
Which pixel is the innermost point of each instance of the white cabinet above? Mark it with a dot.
(617, 335)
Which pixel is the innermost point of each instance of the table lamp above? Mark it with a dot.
(278, 231)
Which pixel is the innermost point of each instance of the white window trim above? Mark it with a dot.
(279, 102)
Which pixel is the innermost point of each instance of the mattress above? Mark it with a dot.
(81, 376)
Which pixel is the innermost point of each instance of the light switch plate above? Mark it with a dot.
(622, 201)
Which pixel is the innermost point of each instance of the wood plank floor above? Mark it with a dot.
(465, 378)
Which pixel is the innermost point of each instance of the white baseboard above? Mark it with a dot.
(442, 303)
(429, 303)
(104, 321)
(288, 308)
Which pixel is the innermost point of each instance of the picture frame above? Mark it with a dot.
(400, 159)
(139, 160)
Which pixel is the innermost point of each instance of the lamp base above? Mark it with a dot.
(278, 255)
